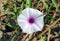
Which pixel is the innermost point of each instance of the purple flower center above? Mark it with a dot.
(31, 20)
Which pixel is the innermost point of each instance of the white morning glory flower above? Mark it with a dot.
(31, 20)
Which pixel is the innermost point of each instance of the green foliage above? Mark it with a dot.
(10, 13)
(45, 4)
(15, 14)
(22, 7)
(13, 37)
(55, 4)
(42, 39)
(15, 11)
(28, 3)
(47, 18)
(15, 8)
(11, 25)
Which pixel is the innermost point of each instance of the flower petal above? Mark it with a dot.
(25, 25)
(39, 21)
(26, 12)
(21, 20)
(35, 13)
(36, 28)
(28, 29)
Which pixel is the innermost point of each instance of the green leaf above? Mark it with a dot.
(15, 11)
(48, 18)
(22, 7)
(28, 3)
(42, 39)
(11, 25)
(55, 4)
(15, 8)
(8, 12)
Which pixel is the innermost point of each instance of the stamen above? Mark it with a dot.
(31, 20)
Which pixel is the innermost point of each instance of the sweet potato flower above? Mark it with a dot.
(31, 20)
